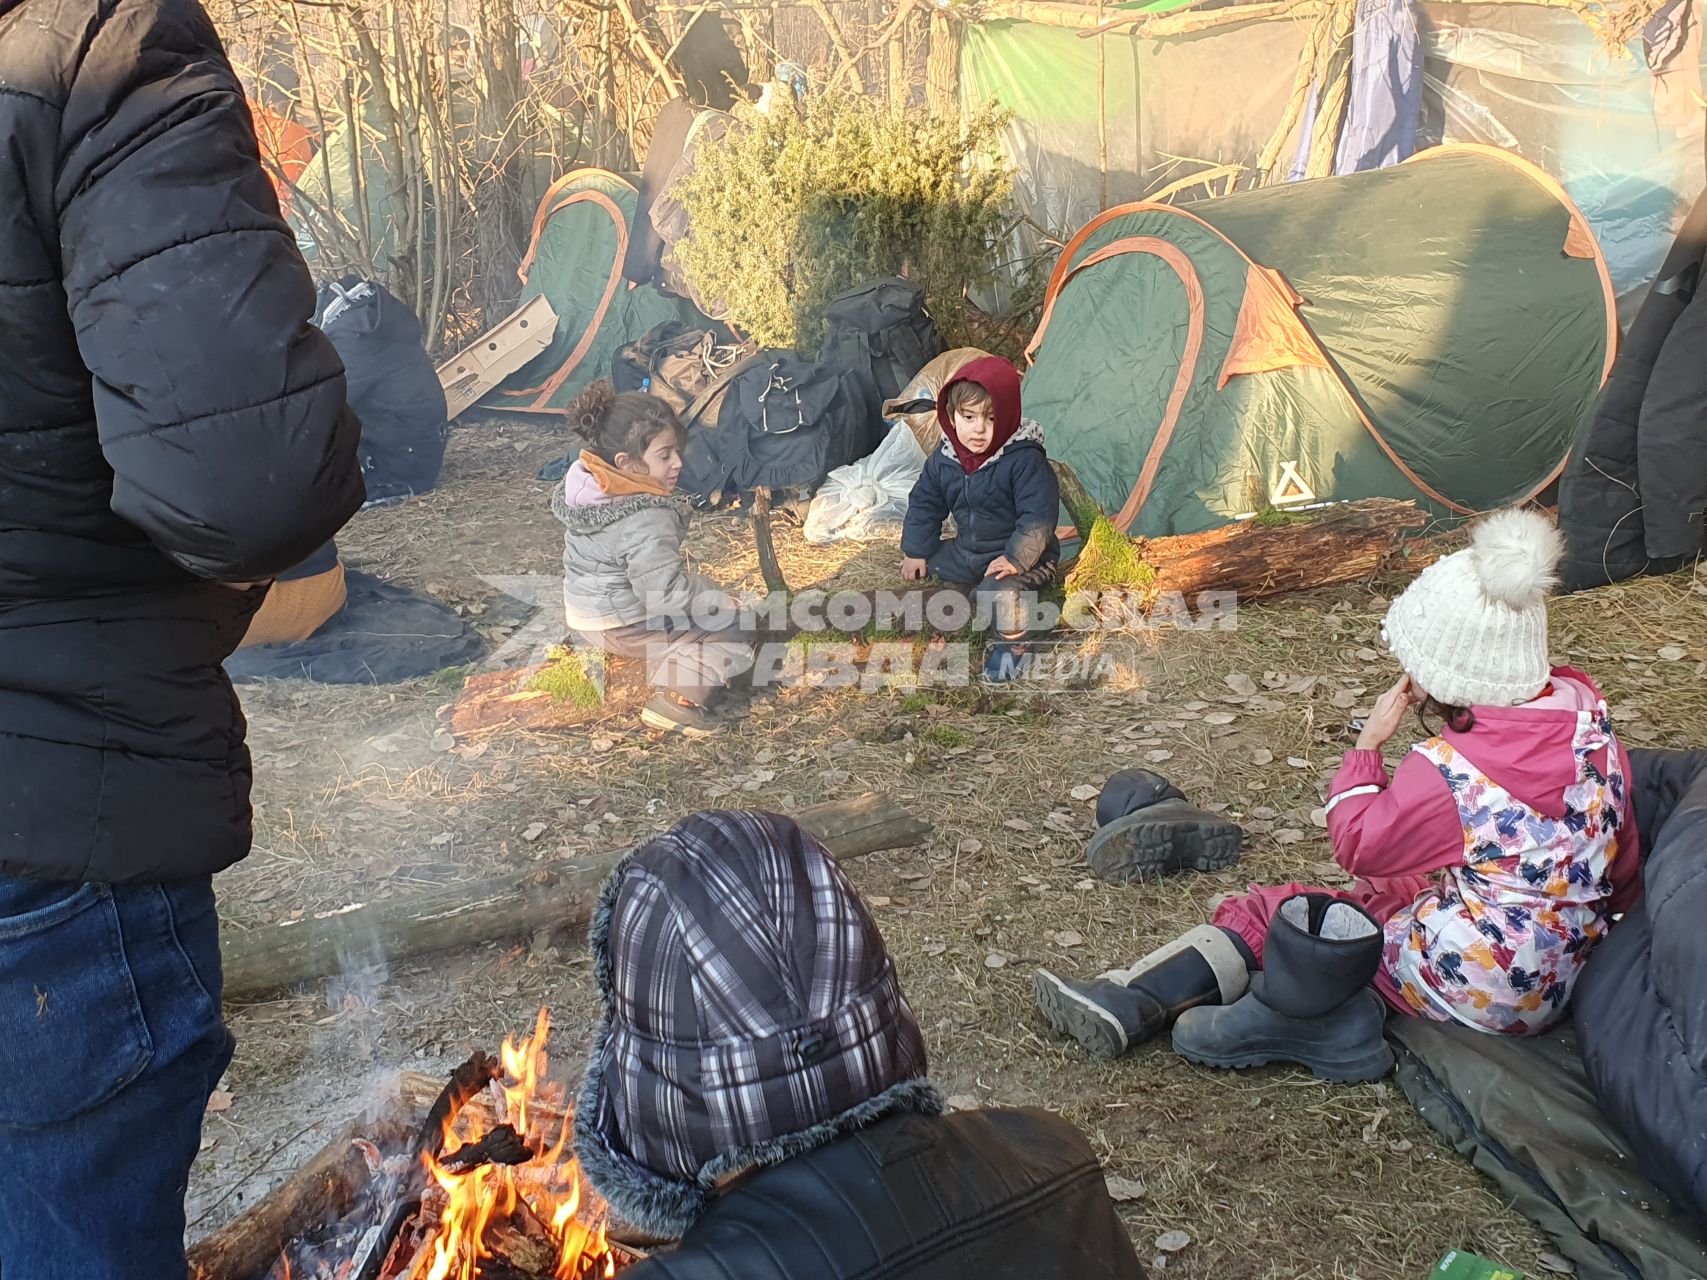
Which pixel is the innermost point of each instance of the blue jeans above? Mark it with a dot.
(110, 1042)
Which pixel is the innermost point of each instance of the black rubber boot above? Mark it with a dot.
(1130, 790)
(1311, 1004)
(1110, 1014)
(1171, 835)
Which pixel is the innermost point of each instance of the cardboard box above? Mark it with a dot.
(479, 367)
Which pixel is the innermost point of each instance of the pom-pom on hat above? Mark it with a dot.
(1472, 629)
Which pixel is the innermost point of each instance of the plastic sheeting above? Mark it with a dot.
(1626, 142)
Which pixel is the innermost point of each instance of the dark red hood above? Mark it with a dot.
(1001, 380)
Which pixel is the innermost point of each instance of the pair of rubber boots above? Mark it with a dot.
(1146, 828)
(1310, 1004)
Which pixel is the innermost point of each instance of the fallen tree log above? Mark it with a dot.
(1271, 554)
(267, 957)
(1349, 542)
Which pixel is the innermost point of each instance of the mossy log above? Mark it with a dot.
(1265, 556)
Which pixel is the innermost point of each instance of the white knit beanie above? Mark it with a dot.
(1472, 629)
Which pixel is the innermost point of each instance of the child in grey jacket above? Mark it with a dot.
(626, 587)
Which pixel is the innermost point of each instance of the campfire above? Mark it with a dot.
(485, 1188)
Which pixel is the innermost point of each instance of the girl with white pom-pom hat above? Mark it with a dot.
(1488, 864)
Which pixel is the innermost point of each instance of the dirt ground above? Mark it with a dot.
(361, 793)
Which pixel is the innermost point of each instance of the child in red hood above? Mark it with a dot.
(1488, 865)
(993, 476)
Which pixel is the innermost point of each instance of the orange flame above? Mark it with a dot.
(549, 1185)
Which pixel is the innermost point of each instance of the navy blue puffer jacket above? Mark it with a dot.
(1007, 507)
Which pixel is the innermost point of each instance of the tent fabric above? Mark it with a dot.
(1458, 343)
(384, 633)
(575, 259)
(1521, 1110)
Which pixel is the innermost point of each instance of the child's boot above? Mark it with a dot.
(1311, 1003)
(672, 714)
(1005, 660)
(1116, 1010)
(1147, 828)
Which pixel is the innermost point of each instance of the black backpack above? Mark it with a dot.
(882, 330)
(785, 423)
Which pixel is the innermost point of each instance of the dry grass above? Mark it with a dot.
(1273, 1174)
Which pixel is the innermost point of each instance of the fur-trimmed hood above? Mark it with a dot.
(599, 513)
(1029, 432)
(751, 1014)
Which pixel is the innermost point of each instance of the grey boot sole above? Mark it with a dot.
(1071, 1014)
(1164, 837)
(1357, 1065)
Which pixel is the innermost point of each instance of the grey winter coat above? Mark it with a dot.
(622, 557)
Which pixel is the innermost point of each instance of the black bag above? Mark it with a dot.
(392, 387)
(785, 424)
(883, 331)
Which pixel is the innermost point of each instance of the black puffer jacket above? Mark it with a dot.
(973, 1196)
(1641, 1003)
(167, 417)
(1634, 491)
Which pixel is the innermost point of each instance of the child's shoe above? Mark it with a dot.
(673, 715)
(1005, 660)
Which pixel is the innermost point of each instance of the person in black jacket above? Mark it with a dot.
(993, 476)
(757, 1097)
(172, 434)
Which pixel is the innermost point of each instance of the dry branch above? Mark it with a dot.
(268, 957)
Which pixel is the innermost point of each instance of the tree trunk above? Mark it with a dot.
(1269, 555)
(942, 65)
(1346, 543)
(321, 1191)
(268, 957)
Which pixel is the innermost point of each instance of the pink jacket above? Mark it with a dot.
(1394, 833)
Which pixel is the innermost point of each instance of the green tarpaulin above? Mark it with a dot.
(1429, 331)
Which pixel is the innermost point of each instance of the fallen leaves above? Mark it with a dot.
(1672, 652)
(1173, 1242)
(1241, 684)
(1084, 791)
(1124, 1190)
(533, 831)
(219, 1100)
(1262, 755)
(1158, 756)
(1069, 938)
(995, 960)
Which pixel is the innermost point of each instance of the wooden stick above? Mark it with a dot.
(768, 565)
(641, 37)
(266, 958)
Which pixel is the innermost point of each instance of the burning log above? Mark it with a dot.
(320, 1191)
(264, 959)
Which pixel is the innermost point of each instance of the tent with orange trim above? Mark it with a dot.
(574, 258)
(1434, 330)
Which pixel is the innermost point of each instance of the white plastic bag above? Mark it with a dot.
(867, 500)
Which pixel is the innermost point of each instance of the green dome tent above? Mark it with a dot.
(580, 235)
(1434, 331)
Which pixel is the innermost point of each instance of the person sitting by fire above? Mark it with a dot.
(757, 1093)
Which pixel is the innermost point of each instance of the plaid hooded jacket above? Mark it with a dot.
(754, 1027)
(751, 1013)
